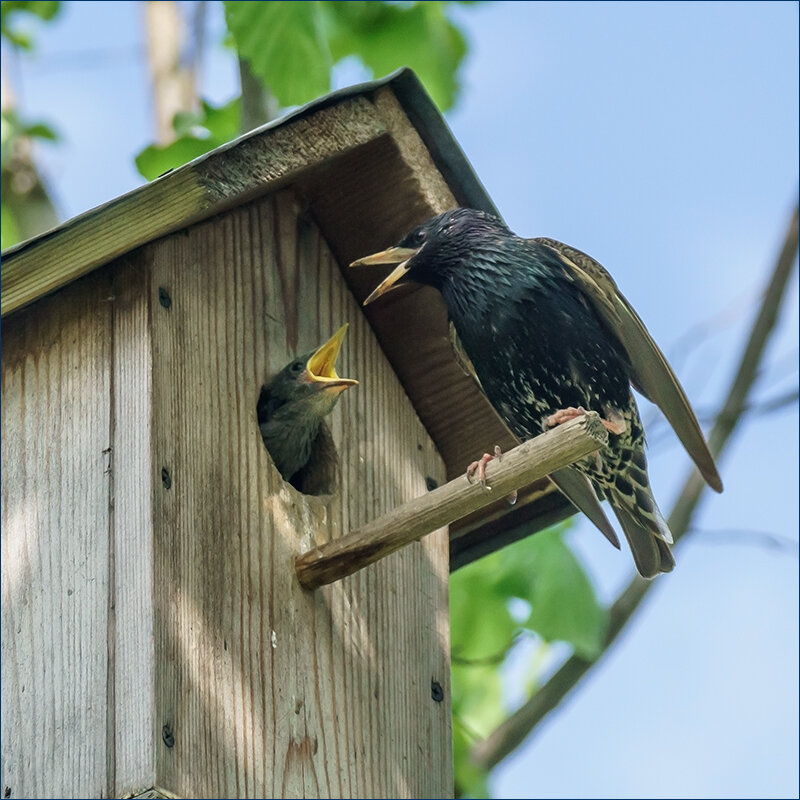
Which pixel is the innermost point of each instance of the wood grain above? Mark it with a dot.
(363, 173)
(226, 176)
(402, 525)
(56, 427)
(265, 689)
(131, 646)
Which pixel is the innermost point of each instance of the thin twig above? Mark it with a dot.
(511, 733)
(758, 408)
(737, 535)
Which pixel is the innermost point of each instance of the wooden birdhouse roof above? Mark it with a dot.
(367, 163)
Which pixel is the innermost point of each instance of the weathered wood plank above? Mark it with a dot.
(131, 706)
(56, 375)
(379, 538)
(228, 175)
(266, 689)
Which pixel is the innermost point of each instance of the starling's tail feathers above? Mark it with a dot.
(647, 533)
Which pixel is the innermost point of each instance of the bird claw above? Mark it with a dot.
(564, 415)
(616, 425)
(479, 466)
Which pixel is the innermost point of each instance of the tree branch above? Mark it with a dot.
(511, 733)
(259, 105)
(173, 81)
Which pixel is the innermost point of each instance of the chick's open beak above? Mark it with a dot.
(321, 367)
(394, 255)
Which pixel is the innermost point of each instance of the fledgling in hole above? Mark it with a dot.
(291, 416)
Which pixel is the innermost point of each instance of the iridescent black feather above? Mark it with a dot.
(545, 328)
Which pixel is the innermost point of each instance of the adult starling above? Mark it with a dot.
(291, 411)
(548, 335)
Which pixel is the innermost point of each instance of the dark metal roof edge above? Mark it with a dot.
(420, 109)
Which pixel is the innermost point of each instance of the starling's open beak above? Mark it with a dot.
(394, 255)
(321, 367)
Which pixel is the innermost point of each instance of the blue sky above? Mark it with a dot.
(661, 138)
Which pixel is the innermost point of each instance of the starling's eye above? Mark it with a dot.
(420, 235)
(297, 367)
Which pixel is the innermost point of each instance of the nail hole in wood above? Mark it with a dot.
(166, 735)
(164, 298)
(437, 693)
(165, 478)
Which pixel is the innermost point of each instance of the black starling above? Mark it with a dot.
(291, 411)
(547, 335)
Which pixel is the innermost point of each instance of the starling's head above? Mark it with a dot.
(308, 387)
(438, 248)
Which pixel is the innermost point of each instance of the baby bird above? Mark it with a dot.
(291, 411)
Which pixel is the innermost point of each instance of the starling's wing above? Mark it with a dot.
(460, 355)
(650, 372)
(575, 485)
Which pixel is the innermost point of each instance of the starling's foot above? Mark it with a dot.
(480, 467)
(615, 422)
(615, 425)
(564, 415)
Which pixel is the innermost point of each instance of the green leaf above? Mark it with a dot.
(14, 128)
(481, 625)
(387, 36)
(156, 159)
(292, 46)
(470, 780)
(9, 230)
(285, 46)
(563, 603)
(198, 132)
(40, 130)
(541, 570)
(12, 10)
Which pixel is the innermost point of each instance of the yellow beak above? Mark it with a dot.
(394, 255)
(321, 367)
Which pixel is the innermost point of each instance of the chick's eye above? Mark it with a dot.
(297, 367)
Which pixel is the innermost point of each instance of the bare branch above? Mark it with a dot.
(737, 535)
(173, 82)
(511, 733)
(259, 105)
(754, 409)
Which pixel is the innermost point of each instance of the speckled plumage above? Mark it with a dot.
(538, 322)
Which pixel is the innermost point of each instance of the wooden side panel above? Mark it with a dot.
(262, 689)
(131, 691)
(56, 384)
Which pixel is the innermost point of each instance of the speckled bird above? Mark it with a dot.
(291, 411)
(547, 334)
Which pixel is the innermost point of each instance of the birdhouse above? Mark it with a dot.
(155, 635)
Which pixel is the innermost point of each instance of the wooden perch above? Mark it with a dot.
(524, 464)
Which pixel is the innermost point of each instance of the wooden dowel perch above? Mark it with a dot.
(526, 463)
